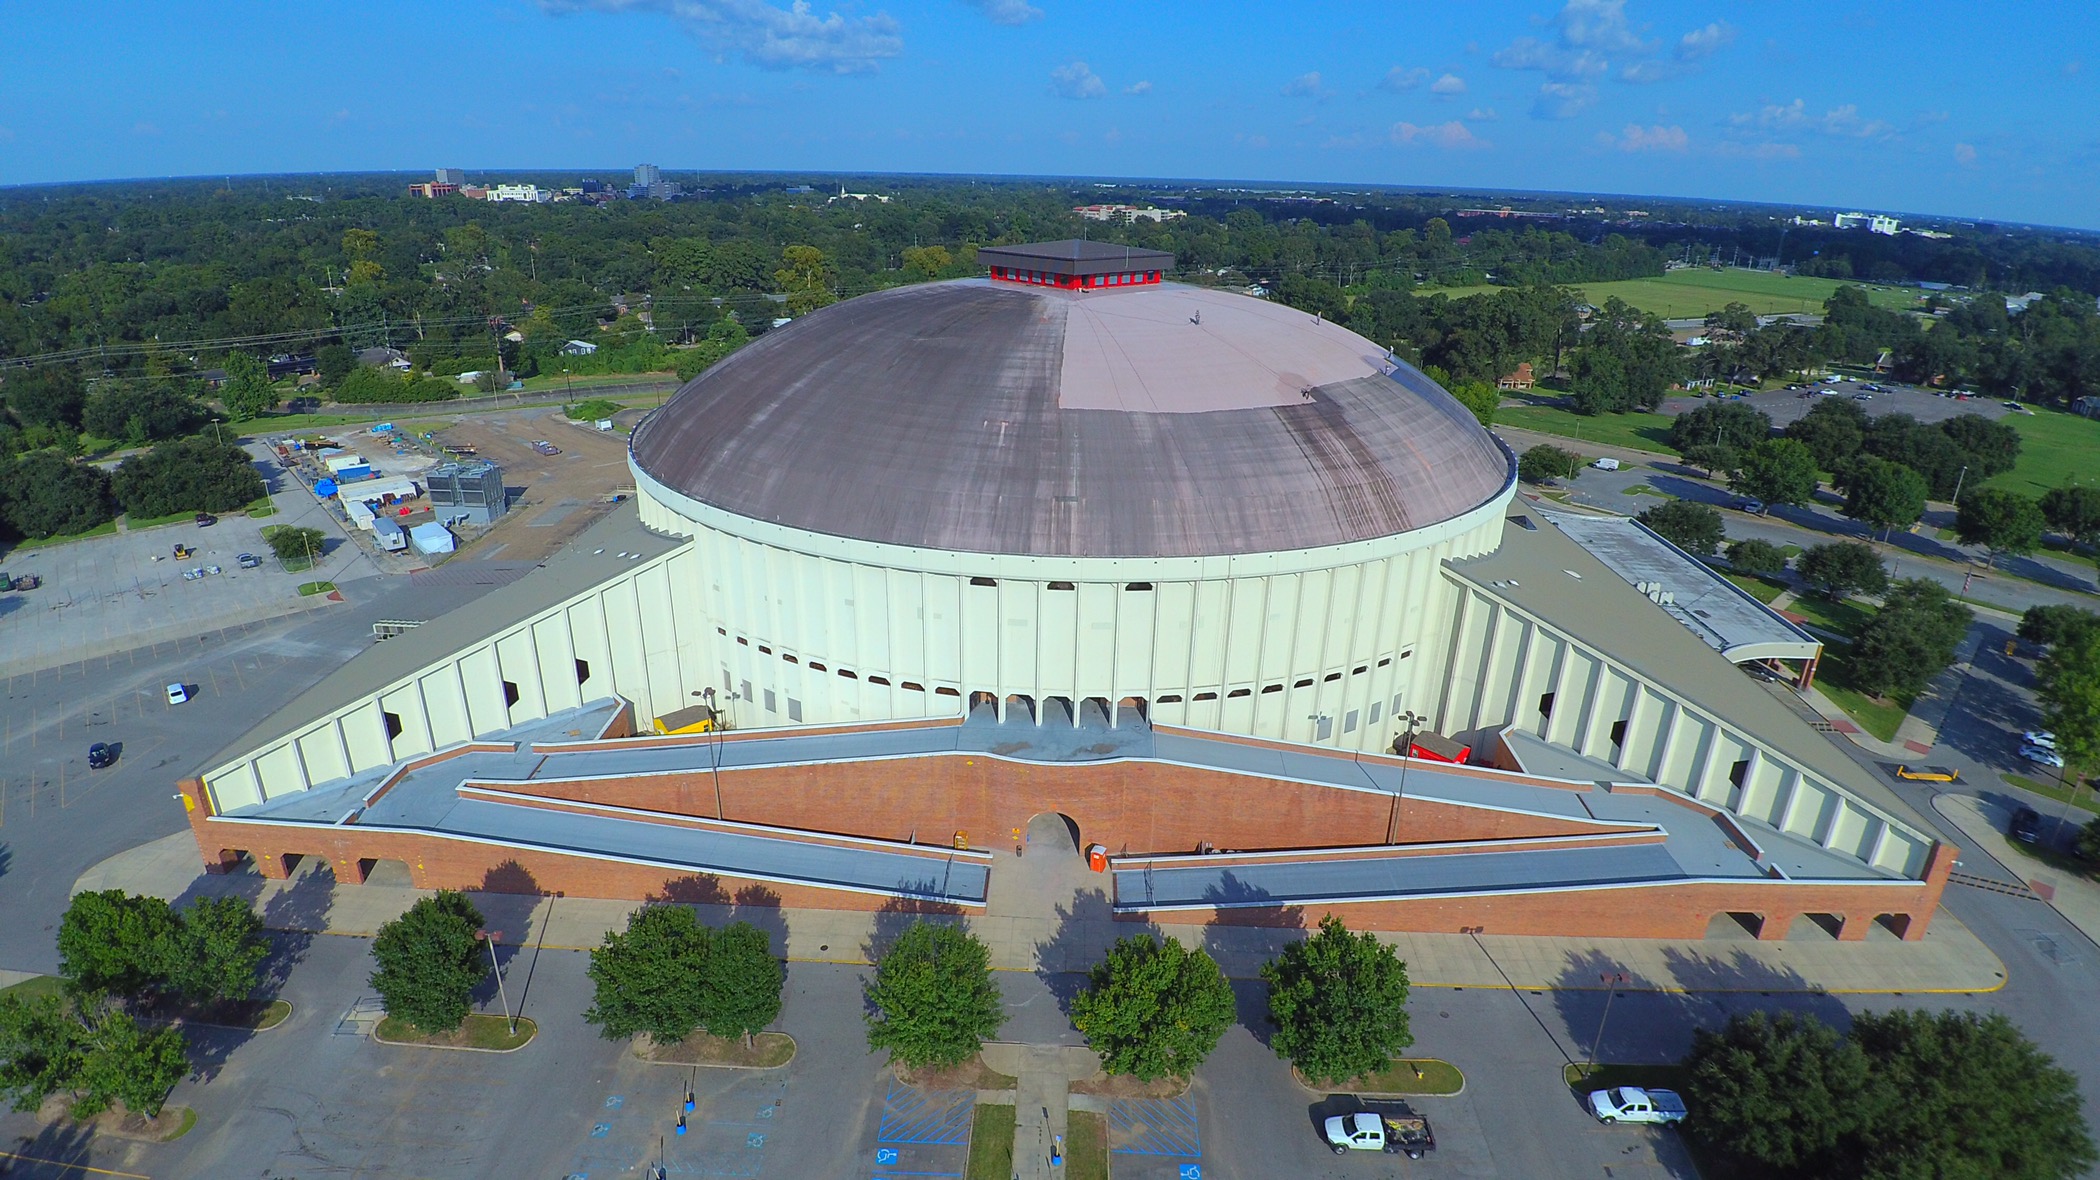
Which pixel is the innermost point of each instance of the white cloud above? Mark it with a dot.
(1555, 61)
(1138, 88)
(1965, 155)
(1482, 115)
(1842, 122)
(1402, 78)
(765, 35)
(1007, 12)
(1637, 138)
(1452, 136)
(1076, 81)
(1704, 43)
(1563, 100)
(1306, 85)
(1600, 25)
(1448, 86)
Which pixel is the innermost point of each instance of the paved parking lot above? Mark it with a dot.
(1155, 1138)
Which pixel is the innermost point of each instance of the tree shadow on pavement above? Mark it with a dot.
(1592, 985)
(59, 1150)
(897, 915)
(1085, 929)
(1246, 930)
(295, 914)
(717, 907)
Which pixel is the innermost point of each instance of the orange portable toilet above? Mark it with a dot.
(1097, 858)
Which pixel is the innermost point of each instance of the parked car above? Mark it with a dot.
(248, 561)
(2042, 755)
(1632, 1104)
(1754, 507)
(177, 694)
(101, 755)
(205, 519)
(1862, 397)
(2026, 825)
(2040, 737)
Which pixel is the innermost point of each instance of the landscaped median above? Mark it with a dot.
(767, 1050)
(1406, 1077)
(479, 1033)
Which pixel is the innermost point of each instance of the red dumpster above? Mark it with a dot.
(1097, 858)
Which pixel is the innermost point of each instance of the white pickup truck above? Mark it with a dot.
(1390, 1127)
(1631, 1104)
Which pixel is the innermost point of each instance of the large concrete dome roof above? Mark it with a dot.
(991, 417)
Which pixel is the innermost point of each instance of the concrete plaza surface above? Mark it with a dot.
(1072, 937)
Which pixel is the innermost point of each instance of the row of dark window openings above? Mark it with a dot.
(511, 696)
(1061, 585)
(1736, 773)
(939, 690)
(1175, 698)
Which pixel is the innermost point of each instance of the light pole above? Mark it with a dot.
(1956, 501)
(1612, 982)
(1407, 749)
(489, 937)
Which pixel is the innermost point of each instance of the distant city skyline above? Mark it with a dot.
(1922, 108)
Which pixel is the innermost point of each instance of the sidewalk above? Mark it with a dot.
(1920, 728)
(2076, 898)
(1949, 959)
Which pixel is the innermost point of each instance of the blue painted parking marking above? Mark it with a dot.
(1192, 1172)
(1154, 1126)
(601, 1130)
(885, 1156)
(754, 1140)
(932, 1117)
(613, 1102)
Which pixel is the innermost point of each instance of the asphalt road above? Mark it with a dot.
(57, 818)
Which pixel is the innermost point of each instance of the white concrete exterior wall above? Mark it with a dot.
(1507, 663)
(1317, 645)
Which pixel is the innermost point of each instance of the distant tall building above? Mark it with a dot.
(646, 175)
(452, 176)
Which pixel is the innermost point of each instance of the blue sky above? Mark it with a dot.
(1976, 111)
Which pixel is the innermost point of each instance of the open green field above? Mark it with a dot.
(2056, 448)
(1691, 293)
(1639, 431)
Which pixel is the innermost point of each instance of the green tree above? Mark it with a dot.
(1777, 471)
(187, 475)
(2000, 521)
(807, 278)
(649, 977)
(1717, 459)
(2053, 624)
(925, 263)
(112, 942)
(40, 1049)
(2074, 512)
(1882, 494)
(332, 363)
(1834, 429)
(1626, 361)
(1911, 639)
(2067, 681)
(142, 412)
(1546, 462)
(1154, 1008)
(1339, 1003)
(221, 949)
(932, 999)
(1756, 557)
(740, 992)
(293, 544)
(122, 1062)
(2087, 844)
(429, 962)
(1733, 424)
(248, 391)
(1481, 397)
(1961, 1095)
(45, 494)
(1694, 528)
(1783, 1091)
(1992, 447)
(1841, 569)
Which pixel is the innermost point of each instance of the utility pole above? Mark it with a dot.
(489, 937)
(1407, 748)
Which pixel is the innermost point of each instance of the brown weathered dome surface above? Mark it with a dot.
(1162, 421)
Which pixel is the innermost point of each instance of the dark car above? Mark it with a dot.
(206, 518)
(100, 755)
(2026, 825)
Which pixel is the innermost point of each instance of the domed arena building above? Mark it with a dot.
(1236, 601)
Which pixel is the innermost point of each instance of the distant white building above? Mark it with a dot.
(1873, 223)
(1126, 213)
(846, 196)
(530, 193)
(578, 348)
(647, 174)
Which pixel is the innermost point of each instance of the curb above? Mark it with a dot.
(633, 1050)
(461, 1048)
(1328, 1091)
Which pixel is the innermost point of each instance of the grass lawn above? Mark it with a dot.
(1641, 489)
(1691, 293)
(992, 1143)
(1875, 715)
(108, 528)
(2079, 797)
(260, 508)
(1639, 430)
(2055, 860)
(768, 1050)
(1845, 617)
(309, 589)
(1086, 1146)
(30, 989)
(544, 382)
(1762, 589)
(147, 522)
(1410, 1075)
(479, 1032)
(2055, 449)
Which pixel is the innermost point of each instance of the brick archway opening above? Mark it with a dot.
(1735, 925)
